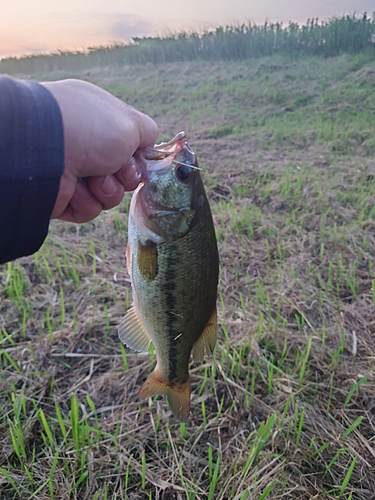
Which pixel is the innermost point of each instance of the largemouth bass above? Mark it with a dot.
(173, 263)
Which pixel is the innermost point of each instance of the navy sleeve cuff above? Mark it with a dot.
(31, 165)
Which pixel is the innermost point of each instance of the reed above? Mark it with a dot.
(346, 34)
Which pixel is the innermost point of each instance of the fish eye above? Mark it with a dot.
(183, 172)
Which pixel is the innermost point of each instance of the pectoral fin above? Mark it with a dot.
(148, 259)
(132, 333)
(128, 258)
(207, 340)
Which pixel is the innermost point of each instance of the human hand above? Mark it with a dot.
(101, 134)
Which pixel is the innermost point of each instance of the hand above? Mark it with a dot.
(101, 134)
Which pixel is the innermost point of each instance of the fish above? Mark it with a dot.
(173, 263)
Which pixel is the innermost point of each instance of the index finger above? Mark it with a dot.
(148, 130)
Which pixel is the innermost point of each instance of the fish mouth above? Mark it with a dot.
(163, 211)
(166, 149)
(163, 155)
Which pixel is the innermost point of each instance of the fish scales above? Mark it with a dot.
(174, 278)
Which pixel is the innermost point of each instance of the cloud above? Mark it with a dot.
(124, 27)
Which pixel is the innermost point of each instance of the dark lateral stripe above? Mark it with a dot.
(169, 289)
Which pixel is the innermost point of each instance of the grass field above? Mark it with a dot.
(286, 409)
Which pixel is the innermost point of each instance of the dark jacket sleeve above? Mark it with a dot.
(31, 165)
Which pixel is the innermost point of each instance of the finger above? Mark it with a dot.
(130, 131)
(83, 205)
(148, 131)
(66, 191)
(107, 189)
(129, 175)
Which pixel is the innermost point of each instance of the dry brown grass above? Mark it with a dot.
(277, 412)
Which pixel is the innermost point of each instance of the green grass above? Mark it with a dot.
(284, 409)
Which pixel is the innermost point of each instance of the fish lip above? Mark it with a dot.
(163, 211)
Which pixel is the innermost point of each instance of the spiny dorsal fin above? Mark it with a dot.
(148, 259)
(207, 340)
(132, 333)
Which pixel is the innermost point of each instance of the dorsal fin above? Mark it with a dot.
(132, 333)
(207, 340)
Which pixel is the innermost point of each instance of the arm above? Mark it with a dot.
(31, 165)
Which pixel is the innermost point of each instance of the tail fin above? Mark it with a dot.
(178, 395)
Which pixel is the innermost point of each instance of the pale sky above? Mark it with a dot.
(35, 26)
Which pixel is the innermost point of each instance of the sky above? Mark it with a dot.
(42, 26)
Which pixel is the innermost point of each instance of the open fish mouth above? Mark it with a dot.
(165, 149)
(161, 155)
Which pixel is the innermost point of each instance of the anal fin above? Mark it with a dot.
(132, 333)
(206, 342)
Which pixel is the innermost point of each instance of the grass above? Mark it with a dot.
(284, 410)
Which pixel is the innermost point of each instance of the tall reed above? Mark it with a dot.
(350, 33)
